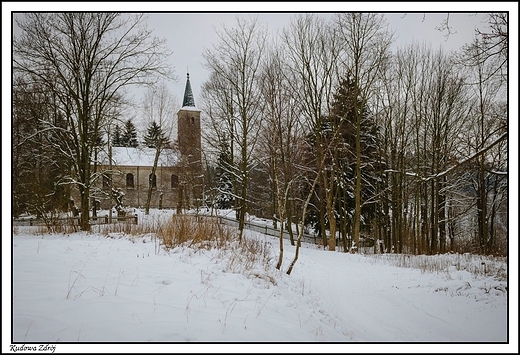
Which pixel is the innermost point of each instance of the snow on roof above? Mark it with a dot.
(142, 156)
(190, 108)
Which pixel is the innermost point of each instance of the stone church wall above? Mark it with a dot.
(133, 181)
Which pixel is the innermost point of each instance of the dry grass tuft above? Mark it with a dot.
(249, 256)
(195, 232)
(477, 265)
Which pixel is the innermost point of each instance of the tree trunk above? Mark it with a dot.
(243, 190)
(442, 216)
(152, 176)
(288, 205)
(357, 190)
(85, 209)
(328, 181)
(302, 225)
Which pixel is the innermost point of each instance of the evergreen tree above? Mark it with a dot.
(224, 197)
(37, 166)
(97, 139)
(117, 137)
(339, 135)
(129, 136)
(154, 135)
(343, 118)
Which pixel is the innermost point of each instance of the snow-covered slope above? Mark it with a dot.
(91, 288)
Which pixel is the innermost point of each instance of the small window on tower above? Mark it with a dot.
(174, 181)
(192, 119)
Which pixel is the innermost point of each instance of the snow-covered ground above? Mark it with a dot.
(84, 288)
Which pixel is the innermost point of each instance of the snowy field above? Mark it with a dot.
(84, 288)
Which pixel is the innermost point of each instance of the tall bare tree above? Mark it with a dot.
(281, 134)
(234, 63)
(486, 61)
(312, 55)
(218, 104)
(159, 108)
(86, 60)
(394, 111)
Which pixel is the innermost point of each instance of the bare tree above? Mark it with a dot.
(483, 59)
(217, 99)
(281, 133)
(234, 62)
(493, 46)
(312, 72)
(436, 113)
(86, 60)
(223, 138)
(393, 108)
(159, 108)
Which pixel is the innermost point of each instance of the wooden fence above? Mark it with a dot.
(366, 245)
(73, 221)
(267, 230)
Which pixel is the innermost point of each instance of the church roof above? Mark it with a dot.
(142, 156)
(188, 100)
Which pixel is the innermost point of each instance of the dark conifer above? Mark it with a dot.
(129, 137)
(154, 135)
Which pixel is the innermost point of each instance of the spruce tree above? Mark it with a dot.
(338, 134)
(343, 118)
(224, 198)
(117, 137)
(129, 137)
(154, 135)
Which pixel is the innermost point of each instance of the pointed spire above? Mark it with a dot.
(188, 95)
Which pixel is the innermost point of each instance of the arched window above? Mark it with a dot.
(175, 181)
(152, 180)
(192, 120)
(129, 181)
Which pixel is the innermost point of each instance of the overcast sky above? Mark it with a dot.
(190, 32)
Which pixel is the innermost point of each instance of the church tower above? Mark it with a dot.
(189, 136)
(189, 140)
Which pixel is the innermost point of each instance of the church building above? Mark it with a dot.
(177, 182)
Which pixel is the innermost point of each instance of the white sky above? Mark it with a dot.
(189, 31)
(189, 34)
